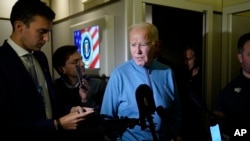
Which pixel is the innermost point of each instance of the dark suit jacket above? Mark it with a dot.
(22, 109)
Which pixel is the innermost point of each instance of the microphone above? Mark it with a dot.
(145, 102)
(146, 106)
(80, 76)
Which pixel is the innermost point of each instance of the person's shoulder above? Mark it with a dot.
(124, 64)
(232, 85)
(122, 67)
(95, 80)
(3, 47)
(58, 81)
(160, 66)
(235, 81)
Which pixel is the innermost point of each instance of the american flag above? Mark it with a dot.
(88, 36)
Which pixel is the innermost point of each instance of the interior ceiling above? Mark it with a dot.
(245, 13)
(228, 3)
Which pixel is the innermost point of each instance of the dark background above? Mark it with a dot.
(177, 28)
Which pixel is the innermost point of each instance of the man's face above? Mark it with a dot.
(189, 59)
(244, 59)
(34, 36)
(142, 51)
(74, 60)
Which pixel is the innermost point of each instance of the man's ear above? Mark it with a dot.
(239, 56)
(61, 70)
(18, 26)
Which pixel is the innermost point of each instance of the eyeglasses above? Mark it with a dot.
(76, 62)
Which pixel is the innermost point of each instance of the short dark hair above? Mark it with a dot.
(194, 47)
(26, 10)
(61, 55)
(242, 40)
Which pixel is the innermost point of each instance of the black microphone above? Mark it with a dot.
(79, 75)
(145, 101)
(146, 106)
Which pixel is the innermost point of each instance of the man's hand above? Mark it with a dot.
(83, 90)
(76, 115)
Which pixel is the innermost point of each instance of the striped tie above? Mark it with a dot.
(31, 68)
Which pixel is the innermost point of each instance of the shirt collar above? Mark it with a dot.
(18, 49)
(70, 86)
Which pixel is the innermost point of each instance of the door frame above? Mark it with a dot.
(136, 10)
(227, 37)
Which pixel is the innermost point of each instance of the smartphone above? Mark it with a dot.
(215, 132)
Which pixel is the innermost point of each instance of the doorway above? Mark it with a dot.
(141, 8)
(143, 11)
(177, 28)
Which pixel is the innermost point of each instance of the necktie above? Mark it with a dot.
(30, 62)
(31, 68)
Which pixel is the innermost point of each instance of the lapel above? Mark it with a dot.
(13, 66)
(42, 61)
(12, 62)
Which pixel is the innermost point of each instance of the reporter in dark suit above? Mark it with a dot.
(26, 108)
